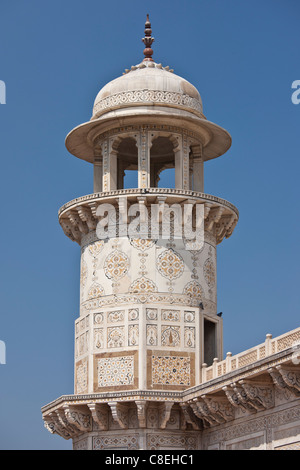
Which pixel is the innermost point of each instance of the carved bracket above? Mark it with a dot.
(237, 397)
(86, 216)
(291, 376)
(142, 412)
(164, 413)
(99, 413)
(119, 413)
(202, 410)
(260, 394)
(190, 417)
(279, 381)
(80, 417)
(219, 407)
(53, 425)
(56, 422)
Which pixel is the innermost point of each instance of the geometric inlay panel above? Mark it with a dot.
(171, 370)
(114, 371)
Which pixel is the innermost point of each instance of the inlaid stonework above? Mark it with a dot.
(134, 272)
(115, 371)
(171, 370)
(149, 365)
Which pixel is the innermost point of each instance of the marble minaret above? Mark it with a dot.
(148, 326)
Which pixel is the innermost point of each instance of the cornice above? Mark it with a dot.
(252, 389)
(78, 217)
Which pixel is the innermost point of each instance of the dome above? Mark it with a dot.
(148, 84)
(148, 94)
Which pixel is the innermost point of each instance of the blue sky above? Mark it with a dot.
(55, 56)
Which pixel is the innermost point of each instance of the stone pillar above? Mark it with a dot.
(191, 172)
(121, 174)
(142, 350)
(98, 171)
(106, 169)
(113, 169)
(198, 168)
(143, 159)
(154, 175)
(185, 163)
(182, 163)
(178, 166)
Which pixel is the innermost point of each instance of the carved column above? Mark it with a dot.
(113, 165)
(98, 172)
(185, 163)
(178, 166)
(154, 174)
(121, 174)
(191, 169)
(198, 169)
(143, 159)
(106, 166)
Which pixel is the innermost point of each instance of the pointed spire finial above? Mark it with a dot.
(148, 40)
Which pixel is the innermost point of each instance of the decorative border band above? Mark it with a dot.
(140, 97)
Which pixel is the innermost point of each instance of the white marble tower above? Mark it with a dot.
(148, 326)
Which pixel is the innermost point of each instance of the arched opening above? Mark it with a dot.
(162, 163)
(167, 178)
(127, 164)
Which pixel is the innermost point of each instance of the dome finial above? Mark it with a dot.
(148, 40)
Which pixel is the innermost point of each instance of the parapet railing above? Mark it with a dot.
(245, 358)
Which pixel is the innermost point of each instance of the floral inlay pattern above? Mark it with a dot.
(95, 291)
(209, 272)
(115, 337)
(170, 335)
(116, 265)
(96, 247)
(142, 285)
(170, 264)
(142, 244)
(83, 272)
(194, 289)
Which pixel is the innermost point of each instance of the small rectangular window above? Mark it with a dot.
(209, 342)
